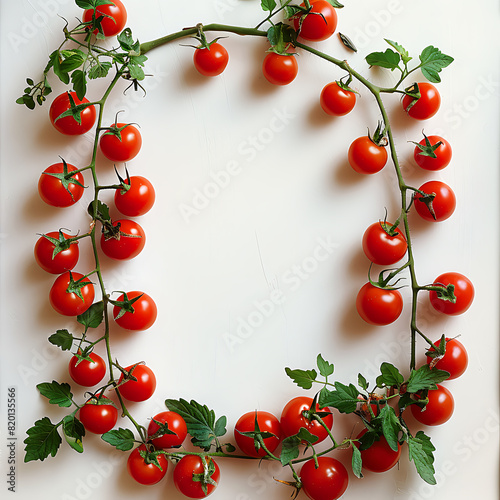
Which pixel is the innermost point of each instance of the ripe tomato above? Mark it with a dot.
(426, 106)
(464, 292)
(68, 125)
(87, 373)
(327, 482)
(144, 315)
(438, 410)
(443, 154)
(60, 190)
(67, 302)
(378, 306)
(336, 101)
(138, 199)
(267, 423)
(143, 472)
(114, 20)
(142, 388)
(443, 204)
(175, 424)
(292, 418)
(280, 69)
(455, 359)
(189, 466)
(127, 244)
(65, 260)
(98, 415)
(379, 457)
(319, 24)
(211, 61)
(380, 247)
(122, 147)
(366, 157)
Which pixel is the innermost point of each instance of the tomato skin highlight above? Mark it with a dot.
(69, 304)
(455, 359)
(211, 61)
(267, 423)
(464, 292)
(86, 373)
(378, 306)
(183, 476)
(52, 191)
(144, 315)
(144, 473)
(320, 24)
(381, 248)
(443, 204)
(443, 153)
(142, 388)
(122, 150)
(64, 261)
(175, 424)
(336, 101)
(98, 418)
(280, 69)
(68, 125)
(138, 199)
(379, 457)
(438, 410)
(328, 482)
(426, 106)
(365, 157)
(129, 245)
(117, 12)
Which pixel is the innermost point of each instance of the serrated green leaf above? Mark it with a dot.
(303, 378)
(93, 316)
(43, 440)
(420, 450)
(391, 426)
(432, 61)
(325, 368)
(79, 83)
(405, 57)
(99, 211)
(70, 63)
(362, 382)
(290, 446)
(57, 394)
(357, 462)
(390, 376)
(344, 398)
(73, 431)
(121, 439)
(425, 378)
(388, 59)
(99, 70)
(336, 4)
(268, 5)
(62, 339)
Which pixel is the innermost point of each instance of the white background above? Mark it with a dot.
(214, 271)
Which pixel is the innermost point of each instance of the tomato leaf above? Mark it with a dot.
(391, 426)
(93, 316)
(432, 61)
(57, 394)
(405, 57)
(425, 378)
(362, 382)
(389, 376)
(388, 59)
(281, 36)
(43, 440)
(325, 368)
(79, 83)
(99, 69)
(99, 211)
(62, 339)
(73, 431)
(344, 398)
(121, 439)
(268, 5)
(335, 4)
(357, 462)
(290, 446)
(420, 450)
(303, 378)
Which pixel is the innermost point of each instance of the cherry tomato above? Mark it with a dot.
(144, 315)
(426, 106)
(381, 248)
(366, 157)
(378, 306)
(211, 61)
(443, 204)
(267, 423)
(319, 24)
(191, 465)
(69, 303)
(143, 472)
(138, 199)
(464, 292)
(68, 125)
(142, 388)
(87, 373)
(379, 457)
(327, 482)
(336, 101)
(455, 359)
(122, 148)
(175, 424)
(98, 415)
(127, 244)
(65, 260)
(57, 191)
(114, 20)
(280, 69)
(443, 154)
(438, 410)
(292, 418)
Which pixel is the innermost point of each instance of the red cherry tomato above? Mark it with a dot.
(443, 154)
(70, 304)
(381, 248)
(127, 244)
(379, 306)
(114, 20)
(189, 466)
(438, 410)
(267, 423)
(292, 418)
(87, 373)
(211, 61)
(143, 472)
(464, 292)
(455, 359)
(138, 199)
(327, 482)
(426, 106)
(144, 315)
(58, 192)
(319, 24)
(365, 157)
(443, 204)
(68, 125)
(98, 416)
(379, 457)
(336, 101)
(175, 424)
(280, 69)
(65, 260)
(142, 388)
(123, 148)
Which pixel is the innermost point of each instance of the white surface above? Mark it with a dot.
(216, 270)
